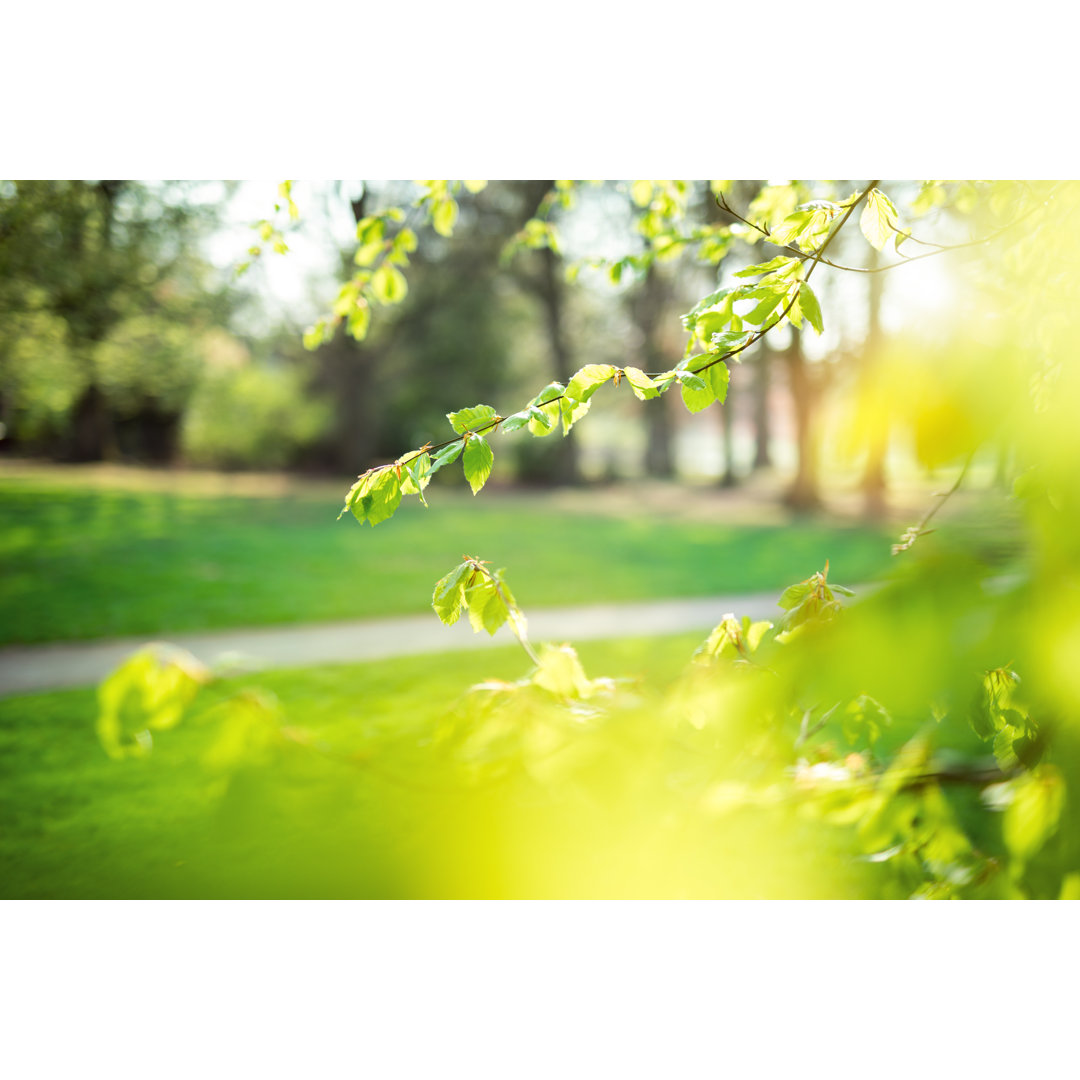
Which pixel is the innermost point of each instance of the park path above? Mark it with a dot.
(28, 668)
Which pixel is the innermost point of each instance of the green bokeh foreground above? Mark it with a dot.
(98, 563)
(74, 823)
(376, 818)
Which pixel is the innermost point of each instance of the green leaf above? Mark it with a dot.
(515, 421)
(544, 421)
(472, 419)
(359, 320)
(764, 309)
(549, 393)
(719, 376)
(475, 186)
(477, 461)
(754, 632)
(691, 380)
(790, 227)
(711, 323)
(449, 596)
(878, 219)
(543, 416)
(444, 217)
(353, 500)
(572, 411)
(696, 395)
(588, 380)
(486, 608)
(785, 263)
(417, 476)
(382, 497)
(724, 343)
(643, 387)
(810, 306)
(560, 672)
(795, 594)
(712, 300)
(447, 455)
(1035, 811)
(389, 285)
(149, 691)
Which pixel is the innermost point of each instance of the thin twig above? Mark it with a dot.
(915, 531)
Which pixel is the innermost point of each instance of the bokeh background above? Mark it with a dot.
(172, 459)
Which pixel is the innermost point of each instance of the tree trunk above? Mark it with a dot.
(728, 478)
(553, 297)
(91, 434)
(762, 426)
(873, 480)
(805, 492)
(647, 311)
(347, 371)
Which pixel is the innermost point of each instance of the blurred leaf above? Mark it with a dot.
(444, 217)
(389, 285)
(1035, 811)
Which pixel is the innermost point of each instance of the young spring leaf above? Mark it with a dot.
(697, 393)
(444, 216)
(382, 497)
(810, 306)
(449, 596)
(572, 411)
(447, 455)
(588, 380)
(718, 377)
(783, 263)
(475, 418)
(515, 421)
(542, 421)
(486, 608)
(477, 460)
(389, 285)
(725, 342)
(417, 476)
(878, 219)
(1035, 811)
(643, 387)
(769, 303)
(791, 227)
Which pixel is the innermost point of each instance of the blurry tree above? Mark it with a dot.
(873, 479)
(446, 337)
(807, 385)
(90, 255)
(542, 274)
(762, 406)
(649, 305)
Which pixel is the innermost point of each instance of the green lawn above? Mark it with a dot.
(74, 823)
(89, 561)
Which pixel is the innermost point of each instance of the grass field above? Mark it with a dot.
(74, 823)
(87, 561)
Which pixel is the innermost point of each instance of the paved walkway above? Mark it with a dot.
(28, 668)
